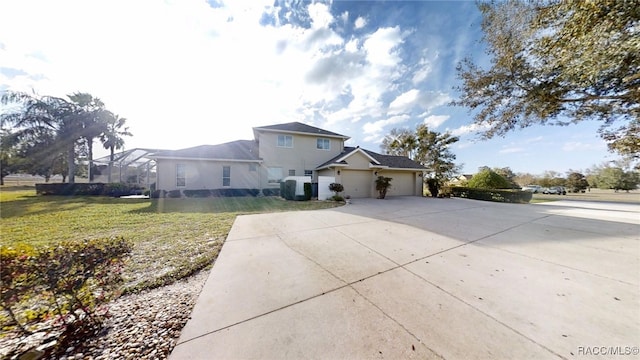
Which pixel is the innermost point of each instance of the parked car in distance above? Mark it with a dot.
(533, 188)
(557, 190)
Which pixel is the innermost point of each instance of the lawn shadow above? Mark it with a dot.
(41, 204)
(217, 205)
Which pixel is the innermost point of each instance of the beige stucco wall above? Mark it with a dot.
(206, 174)
(302, 156)
(358, 161)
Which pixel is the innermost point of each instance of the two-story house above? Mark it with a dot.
(278, 151)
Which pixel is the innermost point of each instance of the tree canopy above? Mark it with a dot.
(558, 62)
(429, 148)
(48, 132)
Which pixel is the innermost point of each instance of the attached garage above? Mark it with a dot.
(357, 183)
(357, 169)
(403, 183)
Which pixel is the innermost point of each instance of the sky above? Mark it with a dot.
(192, 72)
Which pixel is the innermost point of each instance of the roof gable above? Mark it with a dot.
(298, 128)
(377, 160)
(245, 150)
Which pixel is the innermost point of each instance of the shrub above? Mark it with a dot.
(174, 194)
(197, 193)
(307, 191)
(335, 187)
(66, 283)
(337, 198)
(290, 189)
(382, 185)
(156, 194)
(270, 192)
(91, 189)
(234, 192)
(488, 179)
(434, 186)
(507, 195)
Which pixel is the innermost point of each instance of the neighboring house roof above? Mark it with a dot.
(239, 150)
(298, 128)
(377, 160)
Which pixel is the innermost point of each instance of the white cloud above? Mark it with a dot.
(581, 146)
(344, 17)
(375, 128)
(360, 22)
(511, 150)
(467, 129)
(433, 121)
(381, 47)
(320, 15)
(533, 140)
(403, 102)
(407, 101)
(424, 69)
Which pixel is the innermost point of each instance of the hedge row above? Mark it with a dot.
(504, 195)
(96, 189)
(66, 283)
(203, 193)
(288, 191)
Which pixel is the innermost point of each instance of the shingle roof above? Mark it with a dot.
(392, 161)
(298, 127)
(234, 150)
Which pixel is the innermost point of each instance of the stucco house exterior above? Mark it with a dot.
(278, 151)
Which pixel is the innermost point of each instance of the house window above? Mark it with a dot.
(181, 175)
(292, 172)
(274, 175)
(308, 173)
(226, 176)
(252, 167)
(285, 141)
(323, 144)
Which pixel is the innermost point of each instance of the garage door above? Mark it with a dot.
(356, 183)
(402, 184)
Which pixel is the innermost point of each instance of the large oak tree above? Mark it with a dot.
(558, 62)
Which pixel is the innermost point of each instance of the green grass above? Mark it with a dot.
(172, 238)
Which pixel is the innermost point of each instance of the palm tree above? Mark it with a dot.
(45, 114)
(401, 142)
(112, 138)
(93, 121)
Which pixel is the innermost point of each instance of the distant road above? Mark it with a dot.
(596, 195)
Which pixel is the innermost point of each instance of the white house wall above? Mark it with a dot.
(206, 174)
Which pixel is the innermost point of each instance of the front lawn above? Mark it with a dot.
(172, 238)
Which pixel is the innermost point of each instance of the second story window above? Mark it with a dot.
(285, 141)
(323, 144)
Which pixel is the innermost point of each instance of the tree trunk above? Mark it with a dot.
(71, 166)
(90, 148)
(112, 150)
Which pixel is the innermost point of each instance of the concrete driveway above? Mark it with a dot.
(424, 278)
